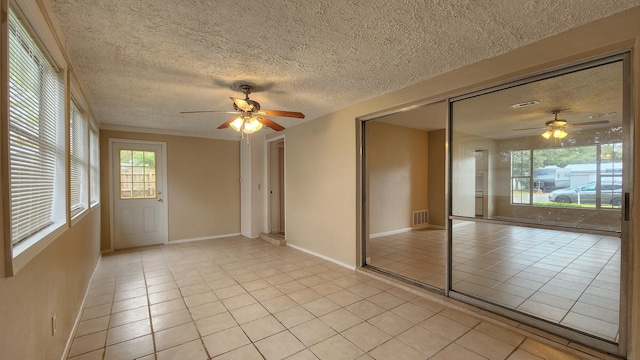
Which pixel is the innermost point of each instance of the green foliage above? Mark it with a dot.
(138, 158)
(564, 156)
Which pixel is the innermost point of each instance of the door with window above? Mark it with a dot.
(139, 207)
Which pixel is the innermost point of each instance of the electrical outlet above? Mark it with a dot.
(54, 324)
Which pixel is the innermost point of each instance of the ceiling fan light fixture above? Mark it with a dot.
(554, 127)
(252, 125)
(559, 134)
(237, 124)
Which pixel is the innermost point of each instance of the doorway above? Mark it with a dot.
(276, 173)
(138, 193)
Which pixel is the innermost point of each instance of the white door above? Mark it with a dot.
(138, 194)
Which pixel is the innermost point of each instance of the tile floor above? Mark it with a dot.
(237, 298)
(567, 278)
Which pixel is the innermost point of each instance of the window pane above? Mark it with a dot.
(521, 163)
(94, 153)
(137, 174)
(79, 160)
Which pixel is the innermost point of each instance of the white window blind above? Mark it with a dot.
(36, 144)
(79, 160)
(94, 161)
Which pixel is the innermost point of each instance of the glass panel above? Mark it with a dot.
(405, 175)
(137, 174)
(555, 162)
(520, 177)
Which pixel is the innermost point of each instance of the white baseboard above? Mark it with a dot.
(387, 233)
(202, 238)
(350, 267)
(76, 323)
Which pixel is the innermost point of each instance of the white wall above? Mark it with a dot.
(252, 189)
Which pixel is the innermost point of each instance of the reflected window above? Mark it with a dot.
(521, 177)
(568, 177)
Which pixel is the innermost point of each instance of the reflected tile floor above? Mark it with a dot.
(567, 278)
(236, 298)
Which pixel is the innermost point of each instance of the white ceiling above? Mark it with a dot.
(143, 62)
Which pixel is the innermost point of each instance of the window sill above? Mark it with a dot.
(77, 217)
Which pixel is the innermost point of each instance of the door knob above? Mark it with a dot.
(159, 200)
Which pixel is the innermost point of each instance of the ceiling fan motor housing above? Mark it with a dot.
(255, 106)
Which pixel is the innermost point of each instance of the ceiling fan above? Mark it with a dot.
(556, 128)
(250, 118)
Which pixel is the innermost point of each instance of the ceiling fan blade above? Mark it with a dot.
(270, 123)
(209, 111)
(589, 123)
(533, 128)
(291, 114)
(227, 123)
(242, 104)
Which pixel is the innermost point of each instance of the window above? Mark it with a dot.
(94, 152)
(36, 139)
(521, 176)
(79, 160)
(569, 176)
(137, 174)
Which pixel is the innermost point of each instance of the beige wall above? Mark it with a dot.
(55, 281)
(398, 175)
(321, 154)
(437, 178)
(320, 187)
(203, 185)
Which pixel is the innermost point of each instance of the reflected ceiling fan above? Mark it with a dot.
(250, 118)
(556, 128)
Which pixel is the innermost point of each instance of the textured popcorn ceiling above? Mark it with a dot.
(142, 62)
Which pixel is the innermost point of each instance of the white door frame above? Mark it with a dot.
(268, 201)
(165, 215)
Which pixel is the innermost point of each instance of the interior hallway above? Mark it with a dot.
(237, 298)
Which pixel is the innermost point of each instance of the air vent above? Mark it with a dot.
(420, 217)
(524, 104)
